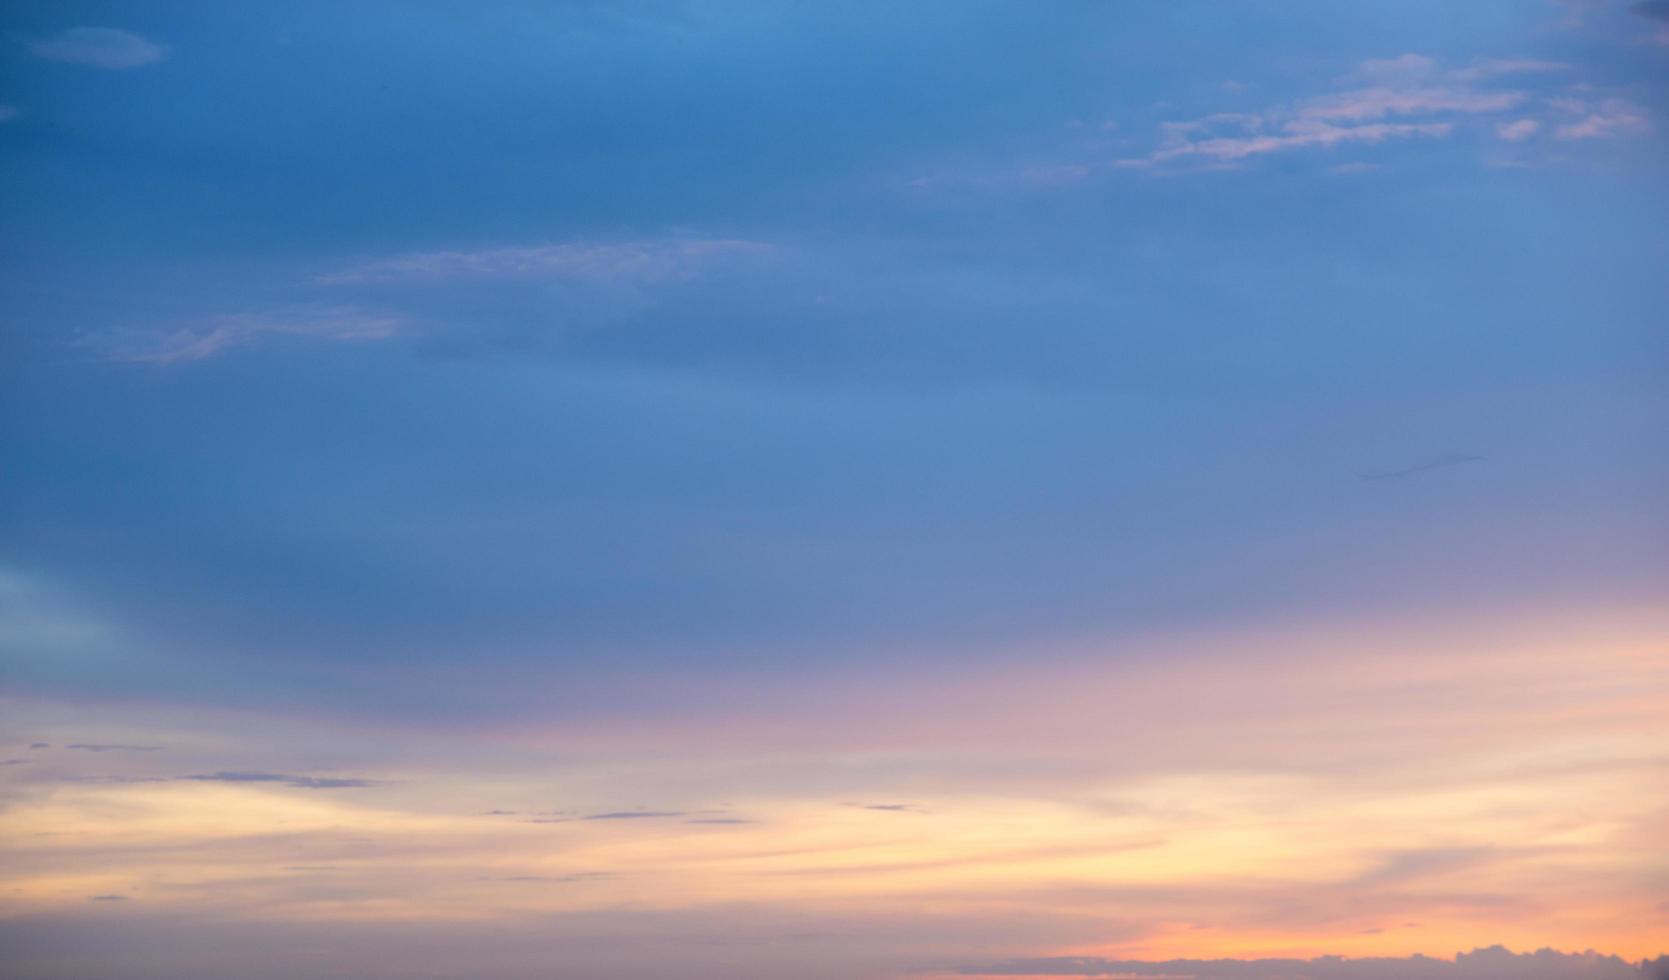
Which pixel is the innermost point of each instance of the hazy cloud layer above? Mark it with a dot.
(1494, 963)
(643, 261)
(100, 47)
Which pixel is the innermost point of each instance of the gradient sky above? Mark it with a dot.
(860, 490)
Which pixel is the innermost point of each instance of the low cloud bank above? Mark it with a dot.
(1494, 963)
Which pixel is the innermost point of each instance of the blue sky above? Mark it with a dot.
(455, 366)
(770, 335)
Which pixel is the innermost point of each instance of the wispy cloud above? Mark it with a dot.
(634, 814)
(217, 335)
(111, 747)
(1601, 120)
(638, 261)
(298, 782)
(1202, 141)
(100, 47)
(1410, 96)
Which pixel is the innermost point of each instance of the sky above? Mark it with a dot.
(609, 490)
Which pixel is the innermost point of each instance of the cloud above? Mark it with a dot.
(1509, 66)
(1403, 66)
(220, 334)
(1418, 863)
(1406, 97)
(577, 876)
(1296, 134)
(640, 261)
(1494, 963)
(9, 112)
(108, 898)
(100, 47)
(299, 782)
(1380, 102)
(111, 747)
(1518, 130)
(1609, 118)
(633, 814)
(40, 745)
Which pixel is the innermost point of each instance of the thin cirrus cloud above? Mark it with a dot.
(100, 47)
(619, 269)
(640, 261)
(1391, 99)
(218, 335)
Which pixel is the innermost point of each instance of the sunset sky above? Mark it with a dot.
(850, 491)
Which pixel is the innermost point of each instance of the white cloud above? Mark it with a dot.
(1293, 135)
(1613, 117)
(219, 334)
(100, 47)
(641, 261)
(1518, 130)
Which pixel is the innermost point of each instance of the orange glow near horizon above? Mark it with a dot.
(1408, 800)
